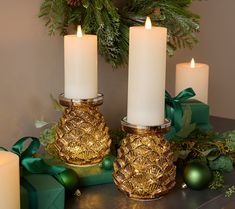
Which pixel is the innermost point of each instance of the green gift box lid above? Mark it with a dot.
(39, 191)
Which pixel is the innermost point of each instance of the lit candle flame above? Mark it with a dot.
(192, 65)
(79, 31)
(148, 24)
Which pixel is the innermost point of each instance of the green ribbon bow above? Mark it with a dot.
(174, 110)
(33, 165)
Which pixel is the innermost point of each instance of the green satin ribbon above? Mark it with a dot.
(33, 165)
(174, 111)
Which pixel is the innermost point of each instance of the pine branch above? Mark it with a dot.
(55, 13)
(174, 15)
(101, 17)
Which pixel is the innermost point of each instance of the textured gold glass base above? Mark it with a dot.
(81, 135)
(144, 166)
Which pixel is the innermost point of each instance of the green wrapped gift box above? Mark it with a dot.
(206, 127)
(39, 191)
(200, 116)
(88, 176)
(93, 175)
(200, 111)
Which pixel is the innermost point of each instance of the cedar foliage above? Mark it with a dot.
(111, 24)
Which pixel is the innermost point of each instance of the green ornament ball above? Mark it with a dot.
(69, 179)
(107, 162)
(197, 175)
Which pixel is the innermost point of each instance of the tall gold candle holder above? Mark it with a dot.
(82, 137)
(144, 166)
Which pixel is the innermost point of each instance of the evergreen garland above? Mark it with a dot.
(111, 24)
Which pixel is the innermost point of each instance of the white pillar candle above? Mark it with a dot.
(146, 79)
(9, 181)
(80, 66)
(195, 75)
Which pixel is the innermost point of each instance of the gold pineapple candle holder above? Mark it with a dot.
(82, 137)
(144, 166)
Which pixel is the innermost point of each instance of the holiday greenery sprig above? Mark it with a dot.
(111, 24)
(215, 149)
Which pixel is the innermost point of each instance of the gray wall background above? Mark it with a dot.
(31, 67)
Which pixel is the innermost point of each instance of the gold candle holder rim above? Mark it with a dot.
(144, 129)
(96, 101)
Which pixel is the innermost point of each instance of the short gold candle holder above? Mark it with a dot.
(82, 137)
(144, 166)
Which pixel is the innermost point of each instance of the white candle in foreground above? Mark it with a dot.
(195, 75)
(9, 181)
(80, 66)
(146, 78)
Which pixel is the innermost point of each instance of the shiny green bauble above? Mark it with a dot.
(107, 162)
(69, 179)
(197, 175)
